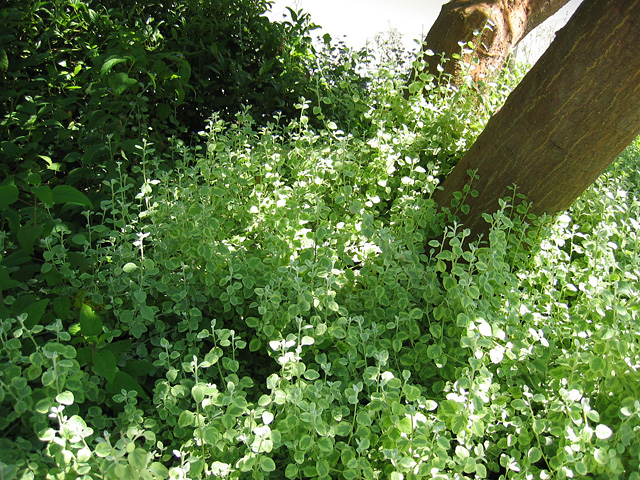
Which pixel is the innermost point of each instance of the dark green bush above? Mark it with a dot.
(84, 84)
(77, 72)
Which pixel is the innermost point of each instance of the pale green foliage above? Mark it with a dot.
(275, 306)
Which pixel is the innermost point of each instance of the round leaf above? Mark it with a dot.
(534, 454)
(138, 459)
(267, 464)
(65, 398)
(603, 432)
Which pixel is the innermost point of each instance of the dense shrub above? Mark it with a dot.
(274, 306)
(86, 86)
(77, 72)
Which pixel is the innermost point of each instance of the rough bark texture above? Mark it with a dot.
(569, 118)
(458, 20)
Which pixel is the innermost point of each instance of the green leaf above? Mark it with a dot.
(538, 426)
(5, 282)
(186, 419)
(405, 425)
(291, 471)
(350, 474)
(44, 194)
(305, 443)
(104, 364)
(434, 351)
(197, 391)
(48, 378)
(8, 195)
(255, 344)
(323, 468)
(44, 405)
(4, 60)
(458, 424)
(343, 429)
(310, 472)
(159, 470)
(164, 110)
(267, 464)
(35, 311)
(65, 398)
(326, 444)
(129, 267)
(140, 296)
(69, 194)
(120, 82)
(138, 459)
(211, 435)
(600, 455)
(311, 374)
(90, 321)
(581, 468)
(124, 381)
(110, 63)
(448, 408)
(27, 235)
(534, 454)
(252, 322)
(47, 435)
(411, 393)
(103, 450)
(603, 432)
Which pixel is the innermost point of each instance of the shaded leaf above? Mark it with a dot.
(138, 459)
(27, 236)
(69, 194)
(4, 60)
(110, 63)
(8, 195)
(35, 311)
(104, 364)
(124, 381)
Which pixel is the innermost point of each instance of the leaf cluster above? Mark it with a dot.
(275, 305)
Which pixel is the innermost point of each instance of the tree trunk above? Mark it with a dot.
(568, 119)
(511, 21)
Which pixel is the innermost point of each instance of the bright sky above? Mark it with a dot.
(360, 20)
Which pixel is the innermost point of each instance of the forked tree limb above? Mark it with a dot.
(503, 24)
(567, 120)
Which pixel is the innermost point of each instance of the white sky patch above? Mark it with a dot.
(358, 21)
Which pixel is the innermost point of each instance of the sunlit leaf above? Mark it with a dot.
(90, 321)
(603, 432)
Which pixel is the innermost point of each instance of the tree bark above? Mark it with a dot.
(568, 119)
(511, 21)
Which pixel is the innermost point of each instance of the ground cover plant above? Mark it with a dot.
(280, 298)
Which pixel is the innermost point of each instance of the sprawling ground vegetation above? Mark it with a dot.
(219, 258)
